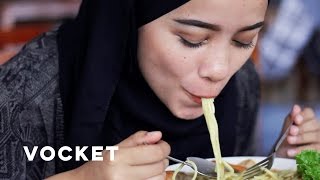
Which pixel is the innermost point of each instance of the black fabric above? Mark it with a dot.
(95, 49)
(147, 10)
(135, 107)
(92, 50)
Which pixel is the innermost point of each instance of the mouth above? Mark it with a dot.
(195, 98)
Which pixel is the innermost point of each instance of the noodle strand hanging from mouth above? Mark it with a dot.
(209, 114)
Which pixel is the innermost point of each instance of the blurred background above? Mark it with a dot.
(287, 55)
(287, 58)
(22, 20)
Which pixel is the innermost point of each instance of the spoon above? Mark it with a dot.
(205, 167)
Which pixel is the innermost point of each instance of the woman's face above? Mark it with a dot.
(193, 51)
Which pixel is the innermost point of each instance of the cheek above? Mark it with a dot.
(161, 54)
(239, 57)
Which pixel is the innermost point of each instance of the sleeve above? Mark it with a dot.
(29, 106)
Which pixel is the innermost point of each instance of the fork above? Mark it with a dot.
(267, 163)
(205, 167)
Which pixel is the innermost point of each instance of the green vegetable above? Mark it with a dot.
(308, 162)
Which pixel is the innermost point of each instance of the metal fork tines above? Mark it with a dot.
(205, 168)
(267, 163)
(257, 169)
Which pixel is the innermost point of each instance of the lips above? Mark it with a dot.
(195, 98)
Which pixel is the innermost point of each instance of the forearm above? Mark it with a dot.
(68, 175)
(89, 170)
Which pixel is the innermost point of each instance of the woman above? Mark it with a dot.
(123, 67)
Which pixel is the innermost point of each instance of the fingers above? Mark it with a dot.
(295, 151)
(308, 126)
(298, 119)
(154, 170)
(304, 121)
(139, 161)
(133, 160)
(305, 138)
(140, 138)
(308, 113)
(305, 133)
(159, 177)
(144, 154)
(296, 109)
(305, 128)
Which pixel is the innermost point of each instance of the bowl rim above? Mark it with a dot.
(279, 163)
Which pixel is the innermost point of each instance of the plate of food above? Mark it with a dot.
(283, 168)
(306, 165)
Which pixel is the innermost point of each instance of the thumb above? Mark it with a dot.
(141, 138)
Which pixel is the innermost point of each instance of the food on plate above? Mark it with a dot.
(238, 169)
(224, 170)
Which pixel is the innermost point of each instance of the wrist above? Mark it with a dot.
(68, 175)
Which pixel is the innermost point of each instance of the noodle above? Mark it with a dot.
(181, 166)
(273, 175)
(209, 113)
(269, 175)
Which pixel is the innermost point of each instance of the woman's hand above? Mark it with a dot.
(303, 134)
(134, 160)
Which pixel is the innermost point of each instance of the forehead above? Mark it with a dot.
(223, 12)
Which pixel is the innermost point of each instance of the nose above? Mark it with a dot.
(215, 65)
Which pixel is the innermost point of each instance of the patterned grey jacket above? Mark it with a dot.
(31, 110)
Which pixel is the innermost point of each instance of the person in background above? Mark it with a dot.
(287, 36)
(132, 74)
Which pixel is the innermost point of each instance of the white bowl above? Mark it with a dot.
(279, 163)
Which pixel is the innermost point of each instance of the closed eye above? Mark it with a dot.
(192, 44)
(243, 45)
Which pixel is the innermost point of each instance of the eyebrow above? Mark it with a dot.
(214, 27)
(197, 23)
(252, 27)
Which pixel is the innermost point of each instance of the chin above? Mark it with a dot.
(188, 113)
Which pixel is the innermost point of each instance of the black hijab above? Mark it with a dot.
(104, 95)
